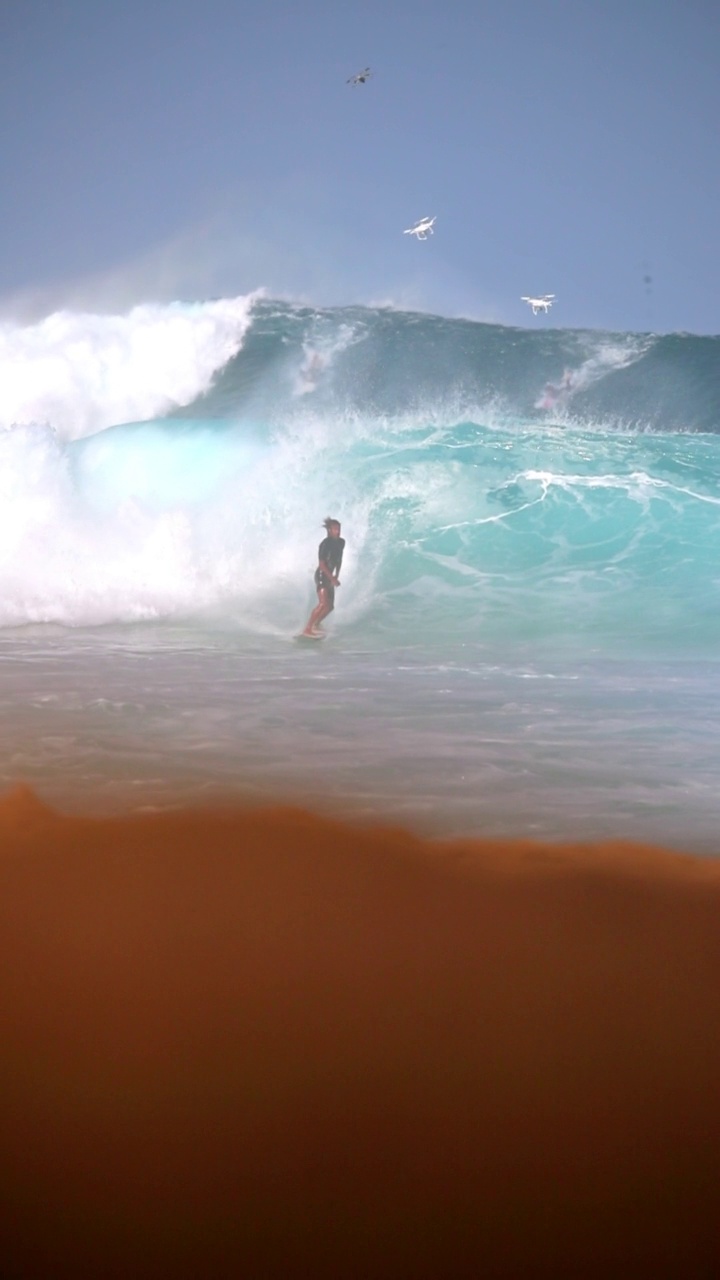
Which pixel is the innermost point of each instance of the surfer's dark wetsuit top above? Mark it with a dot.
(331, 551)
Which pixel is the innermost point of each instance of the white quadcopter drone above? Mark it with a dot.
(421, 228)
(540, 304)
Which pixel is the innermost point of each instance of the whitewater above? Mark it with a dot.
(525, 640)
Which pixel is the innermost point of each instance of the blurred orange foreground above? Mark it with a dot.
(264, 1044)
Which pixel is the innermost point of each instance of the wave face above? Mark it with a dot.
(501, 486)
(378, 362)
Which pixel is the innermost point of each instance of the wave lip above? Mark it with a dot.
(81, 372)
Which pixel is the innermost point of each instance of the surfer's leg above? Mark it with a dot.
(328, 604)
(320, 611)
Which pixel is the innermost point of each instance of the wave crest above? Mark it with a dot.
(80, 372)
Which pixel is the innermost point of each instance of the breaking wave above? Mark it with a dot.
(507, 485)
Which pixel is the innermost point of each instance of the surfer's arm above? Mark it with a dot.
(339, 559)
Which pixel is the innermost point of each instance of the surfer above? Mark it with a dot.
(556, 393)
(311, 369)
(330, 554)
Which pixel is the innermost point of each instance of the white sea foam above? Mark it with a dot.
(80, 372)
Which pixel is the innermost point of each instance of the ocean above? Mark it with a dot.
(525, 641)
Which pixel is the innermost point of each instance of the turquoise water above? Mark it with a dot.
(526, 634)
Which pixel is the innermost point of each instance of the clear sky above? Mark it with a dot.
(152, 149)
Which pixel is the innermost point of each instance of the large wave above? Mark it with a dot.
(494, 484)
(81, 373)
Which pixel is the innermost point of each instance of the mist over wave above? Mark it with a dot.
(502, 485)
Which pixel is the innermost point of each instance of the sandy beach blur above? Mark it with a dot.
(264, 1043)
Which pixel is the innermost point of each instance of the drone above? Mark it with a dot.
(360, 77)
(540, 304)
(421, 228)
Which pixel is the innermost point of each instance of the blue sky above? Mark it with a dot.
(171, 148)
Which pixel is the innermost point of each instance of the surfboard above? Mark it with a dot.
(309, 639)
